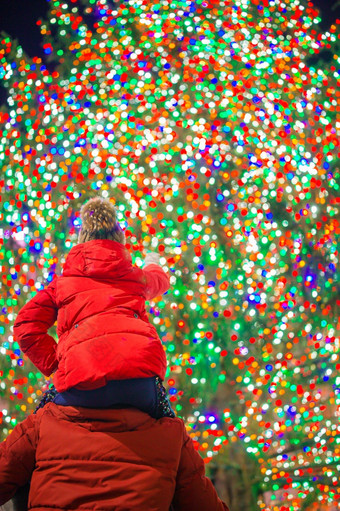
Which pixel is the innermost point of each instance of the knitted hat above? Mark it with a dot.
(99, 222)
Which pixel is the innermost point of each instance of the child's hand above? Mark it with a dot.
(151, 258)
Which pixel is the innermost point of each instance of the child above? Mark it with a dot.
(108, 354)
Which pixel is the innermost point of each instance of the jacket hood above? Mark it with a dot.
(97, 258)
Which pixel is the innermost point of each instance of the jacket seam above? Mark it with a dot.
(108, 460)
(50, 506)
(80, 341)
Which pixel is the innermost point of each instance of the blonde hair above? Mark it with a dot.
(99, 222)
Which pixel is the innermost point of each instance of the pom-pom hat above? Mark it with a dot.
(99, 222)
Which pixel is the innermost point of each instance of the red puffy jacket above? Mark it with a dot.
(107, 460)
(103, 329)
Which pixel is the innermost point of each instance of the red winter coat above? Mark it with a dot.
(107, 460)
(103, 329)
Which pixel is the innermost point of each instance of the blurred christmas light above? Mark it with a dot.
(206, 123)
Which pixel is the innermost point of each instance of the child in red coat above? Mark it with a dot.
(108, 354)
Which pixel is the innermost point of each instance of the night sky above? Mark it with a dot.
(18, 18)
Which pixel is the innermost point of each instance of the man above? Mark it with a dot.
(107, 459)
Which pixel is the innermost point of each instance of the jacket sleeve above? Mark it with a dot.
(156, 281)
(17, 458)
(31, 327)
(193, 489)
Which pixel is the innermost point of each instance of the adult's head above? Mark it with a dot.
(99, 222)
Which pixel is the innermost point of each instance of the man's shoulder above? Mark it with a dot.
(172, 424)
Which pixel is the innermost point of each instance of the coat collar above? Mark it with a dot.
(115, 420)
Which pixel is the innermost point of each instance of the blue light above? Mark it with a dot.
(77, 222)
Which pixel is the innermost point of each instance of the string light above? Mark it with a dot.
(210, 126)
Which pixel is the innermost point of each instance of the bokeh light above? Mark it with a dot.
(215, 129)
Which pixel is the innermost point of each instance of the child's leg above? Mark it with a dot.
(146, 394)
(48, 397)
(163, 404)
(137, 393)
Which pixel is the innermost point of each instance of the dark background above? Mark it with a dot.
(18, 18)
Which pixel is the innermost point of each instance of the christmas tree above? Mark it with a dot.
(212, 125)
